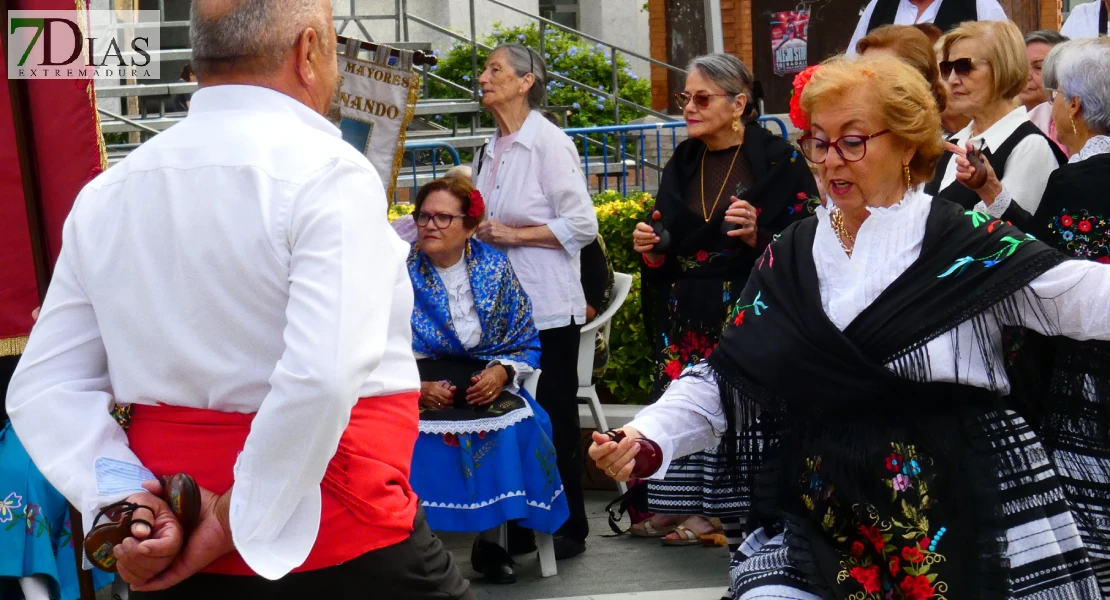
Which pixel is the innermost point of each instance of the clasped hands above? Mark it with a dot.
(155, 560)
(486, 387)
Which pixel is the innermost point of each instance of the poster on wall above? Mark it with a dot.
(789, 48)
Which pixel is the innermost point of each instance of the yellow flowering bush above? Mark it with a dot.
(398, 210)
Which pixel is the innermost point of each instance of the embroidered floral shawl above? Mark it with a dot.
(504, 310)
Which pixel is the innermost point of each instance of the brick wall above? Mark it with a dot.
(1050, 14)
(657, 22)
(736, 23)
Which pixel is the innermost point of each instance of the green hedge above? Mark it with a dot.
(631, 364)
(565, 55)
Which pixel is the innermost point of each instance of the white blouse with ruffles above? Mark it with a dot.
(689, 418)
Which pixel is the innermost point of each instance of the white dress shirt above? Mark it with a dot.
(988, 10)
(1083, 21)
(688, 418)
(467, 322)
(539, 182)
(1027, 169)
(240, 262)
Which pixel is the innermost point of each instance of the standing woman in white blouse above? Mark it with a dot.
(864, 383)
(539, 213)
(986, 68)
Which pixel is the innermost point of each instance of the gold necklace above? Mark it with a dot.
(723, 185)
(842, 235)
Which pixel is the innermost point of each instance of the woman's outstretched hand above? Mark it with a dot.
(616, 460)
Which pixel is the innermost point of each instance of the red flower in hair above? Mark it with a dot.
(477, 205)
(797, 116)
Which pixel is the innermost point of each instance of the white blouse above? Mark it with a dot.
(689, 418)
(1027, 169)
(464, 317)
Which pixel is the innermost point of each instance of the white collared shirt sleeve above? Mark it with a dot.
(1074, 294)
(1027, 171)
(575, 223)
(344, 260)
(61, 392)
(861, 28)
(688, 418)
(1083, 21)
(990, 10)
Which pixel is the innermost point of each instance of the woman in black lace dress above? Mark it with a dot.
(730, 175)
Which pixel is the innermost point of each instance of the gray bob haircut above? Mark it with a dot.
(727, 71)
(525, 60)
(251, 35)
(1045, 36)
(1081, 69)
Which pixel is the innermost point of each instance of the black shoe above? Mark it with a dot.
(521, 540)
(567, 548)
(493, 562)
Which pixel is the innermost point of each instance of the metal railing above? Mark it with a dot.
(638, 152)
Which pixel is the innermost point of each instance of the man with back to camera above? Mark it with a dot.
(236, 282)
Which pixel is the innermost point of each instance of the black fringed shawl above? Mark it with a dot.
(863, 463)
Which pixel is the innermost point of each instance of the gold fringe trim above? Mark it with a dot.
(90, 90)
(13, 346)
(399, 155)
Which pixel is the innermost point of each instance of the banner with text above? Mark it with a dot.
(377, 100)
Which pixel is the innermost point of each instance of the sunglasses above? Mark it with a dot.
(962, 66)
(700, 99)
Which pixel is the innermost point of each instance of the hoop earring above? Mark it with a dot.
(906, 172)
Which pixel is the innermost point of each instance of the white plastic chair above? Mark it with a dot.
(587, 345)
(545, 544)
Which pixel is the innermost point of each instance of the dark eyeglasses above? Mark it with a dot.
(852, 148)
(442, 220)
(962, 66)
(701, 99)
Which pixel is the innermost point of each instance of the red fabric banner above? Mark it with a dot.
(67, 151)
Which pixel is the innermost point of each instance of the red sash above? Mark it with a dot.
(367, 502)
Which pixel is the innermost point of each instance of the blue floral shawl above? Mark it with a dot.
(504, 310)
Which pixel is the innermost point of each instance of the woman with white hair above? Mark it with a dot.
(1074, 217)
(539, 213)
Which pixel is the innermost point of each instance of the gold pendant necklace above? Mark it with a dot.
(712, 211)
(836, 219)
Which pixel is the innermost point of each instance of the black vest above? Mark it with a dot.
(966, 197)
(950, 14)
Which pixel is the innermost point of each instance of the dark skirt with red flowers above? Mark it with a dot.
(1046, 554)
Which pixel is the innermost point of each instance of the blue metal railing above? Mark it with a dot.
(627, 154)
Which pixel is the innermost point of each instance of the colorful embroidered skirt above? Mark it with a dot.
(475, 471)
(1047, 555)
(34, 525)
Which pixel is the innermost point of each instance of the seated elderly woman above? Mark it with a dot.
(985, 65)
(861, 393)
(484, 455)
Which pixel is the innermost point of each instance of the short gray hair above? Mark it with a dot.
(727, 71)
(525, 60)
(251, 34)
(1081, 69)
(1045, 36)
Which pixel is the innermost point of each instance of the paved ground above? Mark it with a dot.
(613, 568)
